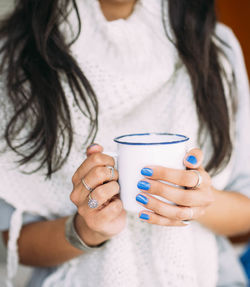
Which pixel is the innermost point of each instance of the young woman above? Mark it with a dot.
(77, 71)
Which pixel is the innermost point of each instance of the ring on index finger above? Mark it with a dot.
(199, 179)
(90, 189)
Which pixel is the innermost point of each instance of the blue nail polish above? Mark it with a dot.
(144, 216)
(142, 199)
(192, 159)
(147, 171)
(144, 185)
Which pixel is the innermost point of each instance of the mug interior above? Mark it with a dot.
(151, 139)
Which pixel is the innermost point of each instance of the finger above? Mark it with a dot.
(99, 175)
(185, 178)
(193, 159)
(157, 219)
(177, 195)
(105, 192)
(96, 177)
(94, 148)
(94, 160)
(170, 211)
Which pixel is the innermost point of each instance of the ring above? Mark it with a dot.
(92, 203)
(90, 189)
(112, 172)
(199, 180)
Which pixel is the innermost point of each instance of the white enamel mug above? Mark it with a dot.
(136, 151)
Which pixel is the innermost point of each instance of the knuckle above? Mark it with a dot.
(190, 179)
(162, 172)
(74, 178)
(115, 185)
(161, 190)
(182, 213)
(157, 220)
(166, 221)
(100, 193)
(159, 208)
(184, 178)
(96, 158)
(99, 172)
(73, 197)
(186, 199)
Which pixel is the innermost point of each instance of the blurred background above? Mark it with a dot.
(235, 14)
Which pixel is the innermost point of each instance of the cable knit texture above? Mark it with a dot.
(131, 66)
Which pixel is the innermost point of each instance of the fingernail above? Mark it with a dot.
(144, 216)
(191, 159)
(144, 185)
(142, 199)
(147, 171)
(93, 144)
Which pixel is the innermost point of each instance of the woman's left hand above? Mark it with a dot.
(189, 203)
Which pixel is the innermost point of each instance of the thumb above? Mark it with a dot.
(93, 148)
(193, 159)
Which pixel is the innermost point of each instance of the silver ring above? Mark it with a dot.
(92, 203)
(90, 189)
(199, 180)
(188, 221)
(112, 171)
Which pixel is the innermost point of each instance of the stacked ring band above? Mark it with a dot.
(199, 180)
(90, 189)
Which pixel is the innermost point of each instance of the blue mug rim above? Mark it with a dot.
(118, 139)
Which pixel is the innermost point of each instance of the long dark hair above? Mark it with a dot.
(35, 54)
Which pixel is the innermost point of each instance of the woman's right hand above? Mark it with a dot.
(97, 225)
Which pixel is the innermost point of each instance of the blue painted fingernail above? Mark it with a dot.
(147, 171)
(142, 199)
(144, 216)
(144, 185)
(192, 159)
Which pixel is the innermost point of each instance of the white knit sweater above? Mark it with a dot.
(131, 67)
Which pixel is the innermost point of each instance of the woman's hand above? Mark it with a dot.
(188, 203)
(96, 225)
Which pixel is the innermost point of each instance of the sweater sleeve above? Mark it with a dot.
(240, 176)
(7, 210)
